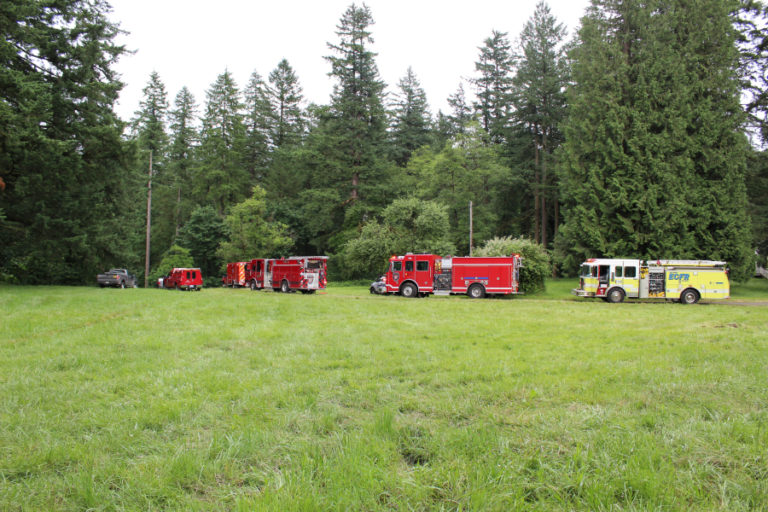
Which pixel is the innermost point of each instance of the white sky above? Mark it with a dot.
(190, 42)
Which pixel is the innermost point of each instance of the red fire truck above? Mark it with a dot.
(304, 273)
(184, 279)
(418, 275)
(236, 274)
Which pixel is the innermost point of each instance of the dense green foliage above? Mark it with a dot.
(663, 174)
(249, 232)
(407, 225)
(239, 400)
(63, 164)
(536, 262)
(627, 140)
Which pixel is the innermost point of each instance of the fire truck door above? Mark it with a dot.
(423, 276)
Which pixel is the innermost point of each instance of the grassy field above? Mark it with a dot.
(237, 400)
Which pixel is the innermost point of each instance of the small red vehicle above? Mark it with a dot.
(304, 273)
(415, 275)
(184, 279)
(236, 274)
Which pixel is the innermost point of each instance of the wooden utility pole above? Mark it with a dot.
(470, 228)
(149, 222)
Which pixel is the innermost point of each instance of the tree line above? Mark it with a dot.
(631, 139)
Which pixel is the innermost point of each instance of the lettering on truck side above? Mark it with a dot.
(676, 276)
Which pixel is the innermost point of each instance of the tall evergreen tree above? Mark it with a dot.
(493, 86)
(461, 111)
(149, 128)
(355, 126)
(181, 154)
(540, 108)
(654, 153)
(67, 200)
(410, 118)
(285, 97)
(222, 177)
(149, 123)
(258, 127)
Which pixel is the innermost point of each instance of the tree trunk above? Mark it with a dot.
(544, 220)
(536, 208)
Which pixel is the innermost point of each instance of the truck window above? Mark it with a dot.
(188, 273)
(397, 266)
(314, 264)
(619, 271)
(630, 272)
(586, 271)
(409, 266)
(422, 266)
(603, 273)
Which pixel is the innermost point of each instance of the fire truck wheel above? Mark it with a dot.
(476, 291)
(122, 284)
(285, 287)
(615, 295)
(253, 286)
(408, 290)
(689, 296)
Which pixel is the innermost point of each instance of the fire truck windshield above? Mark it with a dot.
(313, 264)
(588, 271)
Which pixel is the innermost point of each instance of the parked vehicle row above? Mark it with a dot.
(419, 275)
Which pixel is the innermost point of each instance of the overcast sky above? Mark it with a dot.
(191, 42)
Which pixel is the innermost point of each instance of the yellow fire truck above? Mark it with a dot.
(685, 281)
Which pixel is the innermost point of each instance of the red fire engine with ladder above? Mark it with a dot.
(418, 275)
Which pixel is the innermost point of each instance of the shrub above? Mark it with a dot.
(536, 265)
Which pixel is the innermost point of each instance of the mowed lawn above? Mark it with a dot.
(238, 400)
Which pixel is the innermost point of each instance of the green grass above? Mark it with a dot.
(238, 400)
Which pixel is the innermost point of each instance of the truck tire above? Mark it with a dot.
(615, 295)
(476, 291)
(409, 290)
(122, 284)
(285, 287)
(689, 296)
(253, 286)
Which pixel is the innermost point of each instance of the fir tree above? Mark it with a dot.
(494, 85)
(222, 178)
(181, 154)
(411, 119)
(356, 122)
(258, 127)
(461, 111)
(540, 108)
(654, 152)
(285, 98)
(68, 205)
(149, 129)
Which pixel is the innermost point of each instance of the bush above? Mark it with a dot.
(536, 264)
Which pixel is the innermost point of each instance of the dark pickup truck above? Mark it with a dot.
(117, 277)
